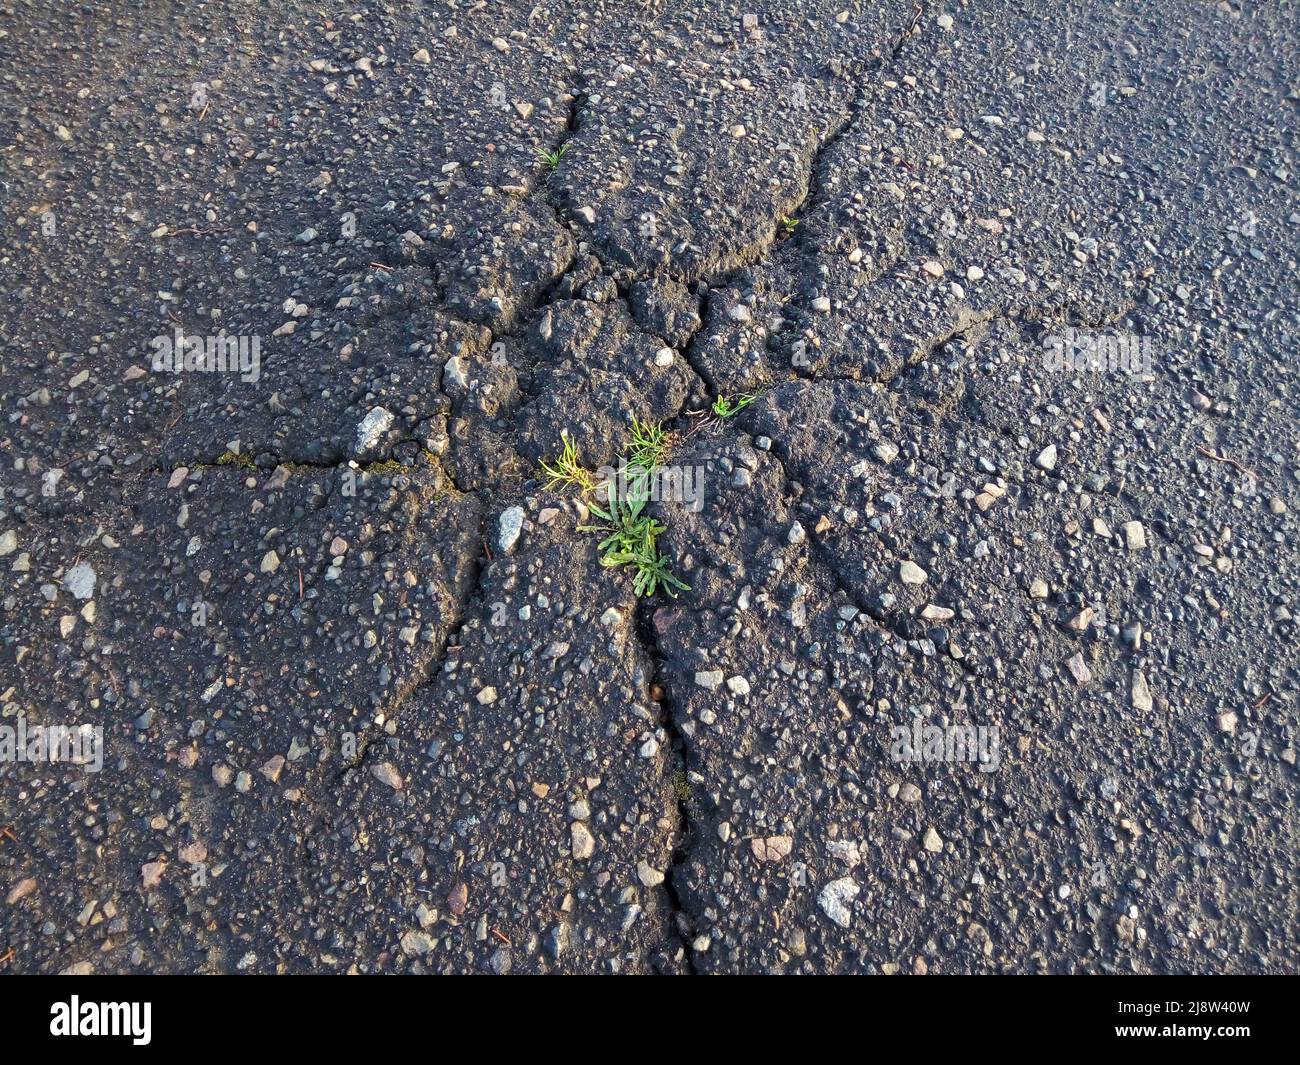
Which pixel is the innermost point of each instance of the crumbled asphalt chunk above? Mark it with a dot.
(369, 700)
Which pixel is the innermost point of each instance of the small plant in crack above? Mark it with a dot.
(629, 535)
(649, 446)
(551, 159)
(682, 786)
(726, 407)
(788, 225)
(567, 470)
(236, 458)
(631, 539)
(387, 466)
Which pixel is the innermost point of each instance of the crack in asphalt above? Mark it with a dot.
(647, 636)
(813, 197)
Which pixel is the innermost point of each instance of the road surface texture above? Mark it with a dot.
(1011, 289)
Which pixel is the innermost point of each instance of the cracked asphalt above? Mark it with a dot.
(366, 698)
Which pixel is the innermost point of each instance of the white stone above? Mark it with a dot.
(372, 428)
(910, 573)
(80, 581)
(509, 526)
(709, 678)
(836, 900)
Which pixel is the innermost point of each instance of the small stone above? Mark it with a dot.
(932, 841)
(709, 678)
(836, 900)
(1135, 536)
(1081, 620)
(1038, 589)
(21, 890)
(509, 527)
(270, 562)
(584, 844)
(1046, 458)
(909, 792)
(936, 613)
(80, 581)
(1228, 721)
(454, 377)
(771, 848)
(910, 573)
(846, 851)
(487, 696)
(738, 685)
(1140, 692)
(372, 429)
(421, 55)
(417, 942)
(884, 451)
(932, 269)
(1079, 669)
(386, 773)
(8, 542)
(648, 874)
(151, 873)
(194, 853)
(458, 899)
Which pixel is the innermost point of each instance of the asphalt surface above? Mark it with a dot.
(369, 701)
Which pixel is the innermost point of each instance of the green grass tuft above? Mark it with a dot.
(724, 407)
(568, 469)
(552, 158)
(649, 447)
